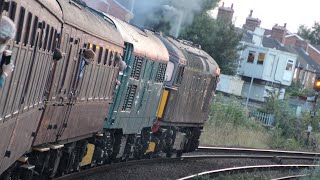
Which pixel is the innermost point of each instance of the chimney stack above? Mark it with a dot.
(279, 32)
(251, 22)
(225, 13)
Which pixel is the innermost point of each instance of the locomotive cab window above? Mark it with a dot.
(169, 71)
(179, 76)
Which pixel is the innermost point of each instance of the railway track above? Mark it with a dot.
(255, 151)
(248, 169)
(275, 156)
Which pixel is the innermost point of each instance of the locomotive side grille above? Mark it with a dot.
(161, 73)
(136, 69)
(129, 98)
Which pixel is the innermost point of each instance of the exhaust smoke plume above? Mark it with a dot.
(165, 15)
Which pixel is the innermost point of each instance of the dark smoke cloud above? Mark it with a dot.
(174, 14)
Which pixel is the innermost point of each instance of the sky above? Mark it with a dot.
(271, 12)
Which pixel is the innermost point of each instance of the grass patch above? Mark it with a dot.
(231, 135)
(229, 124)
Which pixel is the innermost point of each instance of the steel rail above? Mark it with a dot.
(254, 151)
(250, 157)
(247, 168)
(291, 177)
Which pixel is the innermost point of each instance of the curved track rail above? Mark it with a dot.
(256, 151)
(291, 177)
(248, 169)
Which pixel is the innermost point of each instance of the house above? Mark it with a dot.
(265, 63)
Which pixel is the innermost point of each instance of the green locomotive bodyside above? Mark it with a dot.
(137, 98)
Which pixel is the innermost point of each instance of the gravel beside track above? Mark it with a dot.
(178, 168)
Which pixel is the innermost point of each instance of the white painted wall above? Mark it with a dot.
(230, 85)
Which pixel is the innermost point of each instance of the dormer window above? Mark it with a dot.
(261, 58)
(251, 56)
(289, 66)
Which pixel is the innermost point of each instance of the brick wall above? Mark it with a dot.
(291, 41)
(314, 54)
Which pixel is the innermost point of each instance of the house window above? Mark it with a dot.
(289, 66)
(251, 56)
(261, 58)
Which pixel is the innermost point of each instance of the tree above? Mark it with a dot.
(217, 38)
(311, 34)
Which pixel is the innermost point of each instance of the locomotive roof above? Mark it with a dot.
(84, 19)
(197, 54)
(145, 43)
(174, 51)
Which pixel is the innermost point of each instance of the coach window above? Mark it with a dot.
(46, 37)
(169, 71)
(100, 55)
(93, 47)
(28, 28)
(261, 58)
(251, 56)
(106, 54)
(77, 44)
(34, 30)
(12, 10)
(43, 25)
(111, 59)
(50, 39)
(20, 24)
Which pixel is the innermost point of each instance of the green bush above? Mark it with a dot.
(313, 173)
(230, 110)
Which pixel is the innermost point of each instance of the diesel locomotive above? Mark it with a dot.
(60, 115)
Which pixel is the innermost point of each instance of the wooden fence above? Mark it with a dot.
(264, 118)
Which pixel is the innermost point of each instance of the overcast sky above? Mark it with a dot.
(270, 12)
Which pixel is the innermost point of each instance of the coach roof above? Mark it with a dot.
(145, 43)
(87, 20)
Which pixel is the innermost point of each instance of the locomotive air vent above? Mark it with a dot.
(129, 98)
(136, 68)
(161, 73)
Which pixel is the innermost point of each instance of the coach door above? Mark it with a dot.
(69, 80)
(57, 104)
(22, 101)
